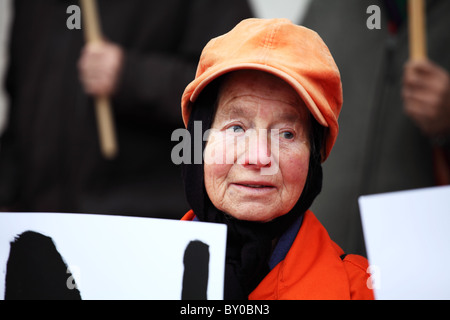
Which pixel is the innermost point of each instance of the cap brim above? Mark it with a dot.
(219, 71)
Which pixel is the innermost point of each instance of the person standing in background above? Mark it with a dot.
(50, 158)
(390, 104)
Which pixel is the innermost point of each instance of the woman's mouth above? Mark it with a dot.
(254, 186)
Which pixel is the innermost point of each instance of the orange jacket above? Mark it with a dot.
(313, 269)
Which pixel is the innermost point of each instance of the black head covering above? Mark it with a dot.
(249, 244)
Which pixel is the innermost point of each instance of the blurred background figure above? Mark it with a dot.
(394, 110)
(50, 157)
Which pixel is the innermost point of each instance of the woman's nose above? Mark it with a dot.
(258, 149)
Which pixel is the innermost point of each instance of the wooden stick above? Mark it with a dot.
(417, 29)
(105, 121)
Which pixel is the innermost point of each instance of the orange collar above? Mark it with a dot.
(312, 268)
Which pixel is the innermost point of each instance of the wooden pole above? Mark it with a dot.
(105, 121)
(417, 29)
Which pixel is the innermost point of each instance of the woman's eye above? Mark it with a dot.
(236, 129)
(287, 135)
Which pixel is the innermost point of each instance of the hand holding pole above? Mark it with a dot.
(105, 121)
(418, 51)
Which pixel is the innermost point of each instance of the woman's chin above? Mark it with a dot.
(255, 214)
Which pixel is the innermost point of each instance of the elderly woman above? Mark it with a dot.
(269, 95)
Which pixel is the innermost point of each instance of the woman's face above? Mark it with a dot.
(257, 154)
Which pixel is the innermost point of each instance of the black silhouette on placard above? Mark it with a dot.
(196, 271)
(36, 270)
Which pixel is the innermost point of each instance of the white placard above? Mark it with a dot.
(116, 257)
(407, 237)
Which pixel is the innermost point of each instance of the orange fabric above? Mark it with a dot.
(189, 216)
(313, 269)
(277, 46)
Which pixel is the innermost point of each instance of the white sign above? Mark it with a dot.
(407, 237)
(112, 257)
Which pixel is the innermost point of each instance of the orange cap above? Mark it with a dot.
(277, 46)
